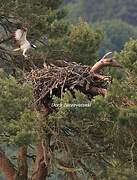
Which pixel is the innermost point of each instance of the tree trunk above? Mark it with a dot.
(73, 176)
(43, 155)
(22, 172)
(40, 171)
(7, 167)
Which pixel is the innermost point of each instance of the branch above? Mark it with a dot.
(92, 174)
(71, 171)
(104, 62)
(97, 91)
(60, 165)
(7, 51)
(5, 40)
(103, 78)
(106, 55)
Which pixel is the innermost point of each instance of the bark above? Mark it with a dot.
(43, 155)
(92, 90)
(7, 167)
(97, 67)
(22, 173)
(40, 171)
(73, 176)
(97, 91)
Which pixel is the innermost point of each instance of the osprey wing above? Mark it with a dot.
(20, 35)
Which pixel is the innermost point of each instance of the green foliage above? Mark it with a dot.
(45, 19)
(107, 121)
(84, 42)
(120, 173)
(65, 41)
(17, 121)
(80, 44)
(129, 55)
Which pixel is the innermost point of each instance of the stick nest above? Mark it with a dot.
(54, 80)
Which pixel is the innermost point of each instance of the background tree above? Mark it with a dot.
(116, 34)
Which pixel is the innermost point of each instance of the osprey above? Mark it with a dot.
(22, 42)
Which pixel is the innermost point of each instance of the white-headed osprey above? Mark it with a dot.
(22, 42)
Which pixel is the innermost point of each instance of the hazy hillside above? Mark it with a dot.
(117, 19)
(98, 10)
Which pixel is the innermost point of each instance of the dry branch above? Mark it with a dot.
(105, 61)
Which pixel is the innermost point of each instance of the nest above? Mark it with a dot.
(54, 80)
